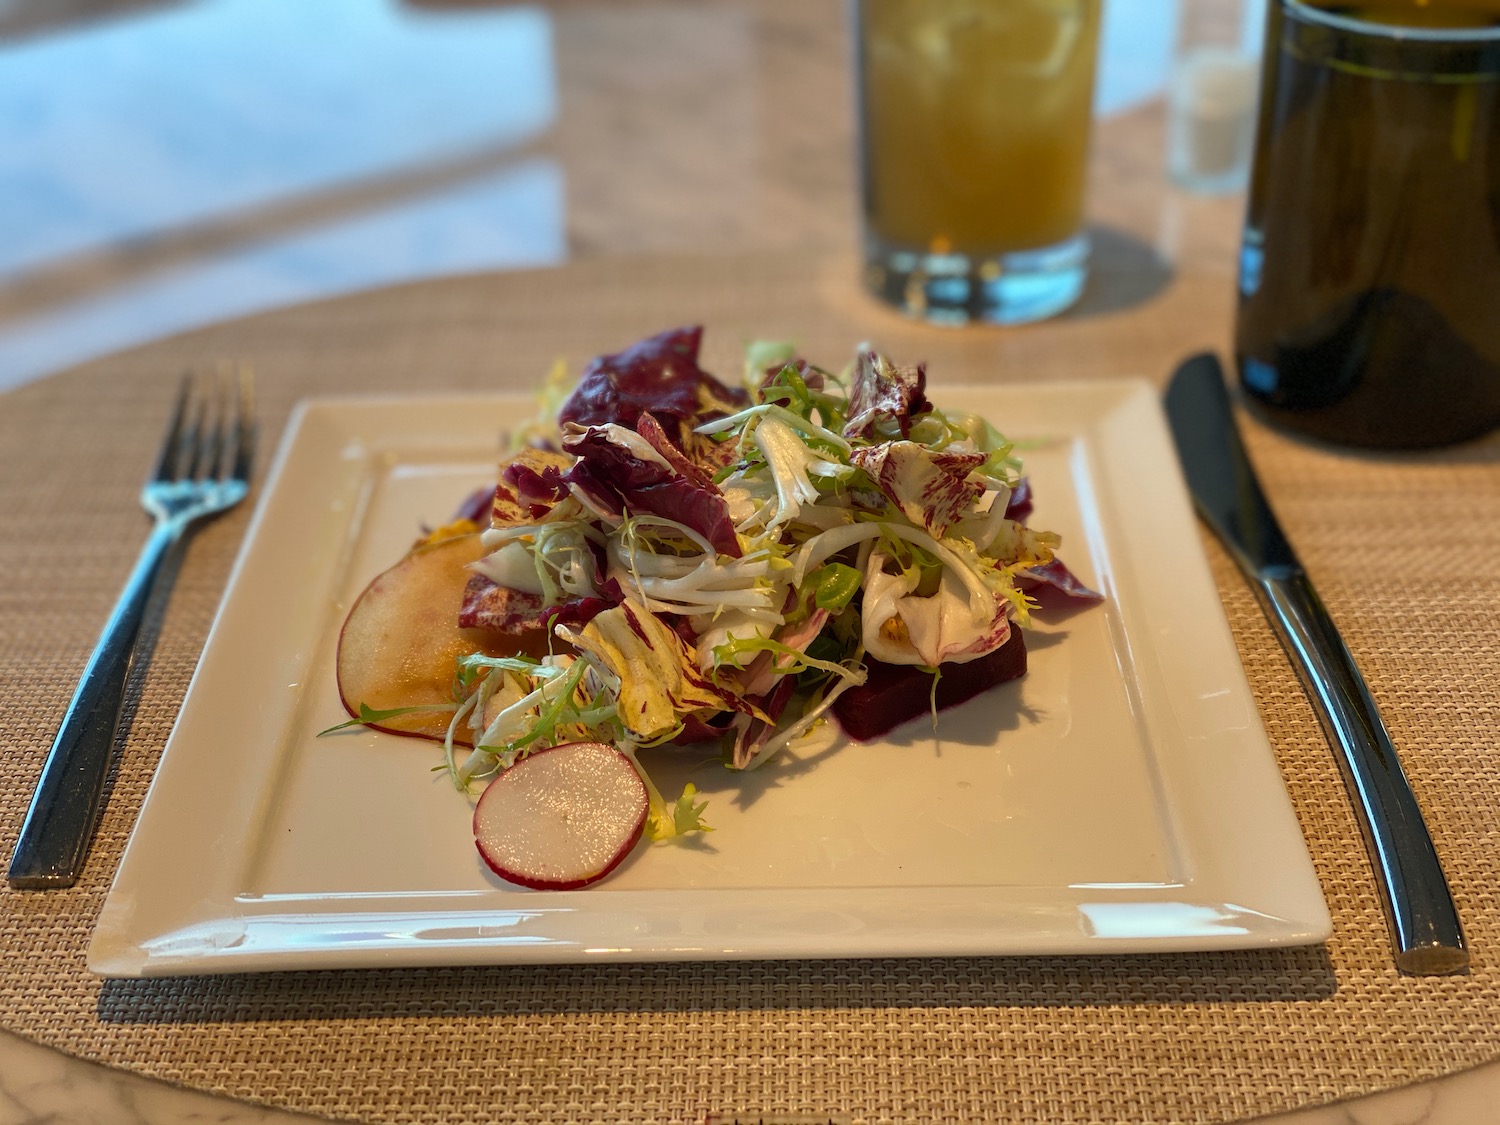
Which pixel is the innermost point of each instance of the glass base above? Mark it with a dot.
(1011, 288)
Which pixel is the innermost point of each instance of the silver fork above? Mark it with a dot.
(203, 469)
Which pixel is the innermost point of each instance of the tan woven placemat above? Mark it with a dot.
(1405, 551)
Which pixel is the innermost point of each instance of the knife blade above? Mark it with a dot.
(1426, 936)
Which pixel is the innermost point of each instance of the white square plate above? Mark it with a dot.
(1121, 797)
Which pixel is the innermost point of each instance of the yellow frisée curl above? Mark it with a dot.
(658, 672)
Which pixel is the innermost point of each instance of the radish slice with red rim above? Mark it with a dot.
(561, 817)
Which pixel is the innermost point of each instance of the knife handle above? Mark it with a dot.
(1425, 931)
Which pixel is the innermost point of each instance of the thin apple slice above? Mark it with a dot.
(401, 641)
(562, 817)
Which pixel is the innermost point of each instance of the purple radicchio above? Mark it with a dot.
(530, 484)
(932, 489)
(880, 393)
(1054, 575)
(491, 603)
(501, 609)
(1020, 505)
(620, 470)
(658, 375)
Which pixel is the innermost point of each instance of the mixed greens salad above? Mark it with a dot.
(688, 561)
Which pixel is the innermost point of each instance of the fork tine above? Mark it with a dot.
(212, 432)
(244, 431)
(168, 459)
(198, 441)
(225, 415)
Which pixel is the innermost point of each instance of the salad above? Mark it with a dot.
(667, 560)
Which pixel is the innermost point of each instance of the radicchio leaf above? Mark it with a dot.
(707, 454)
(530, 484)
(883, 392)
(476, 507)
(1055, 575)
(932, 489)
(659, 375)
(752, 731)
(619, 470)
(536, 487)
(500, 609)
(650, 429)
(1019, 506)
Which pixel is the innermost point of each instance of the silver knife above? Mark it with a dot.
(1426, 935)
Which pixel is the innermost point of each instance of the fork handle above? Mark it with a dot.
(60, 823)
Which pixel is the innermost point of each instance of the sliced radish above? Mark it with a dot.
(561, 817)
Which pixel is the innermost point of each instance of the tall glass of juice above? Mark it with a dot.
(1369, 311)
(975, 119)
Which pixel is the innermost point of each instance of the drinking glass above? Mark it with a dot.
(1369, 309)
(975, 118)
(1211, 103)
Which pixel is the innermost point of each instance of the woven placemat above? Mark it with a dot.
(1405, 551)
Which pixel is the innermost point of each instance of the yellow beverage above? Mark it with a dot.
(976, 122)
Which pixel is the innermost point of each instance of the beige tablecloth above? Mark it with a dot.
(1406, 552)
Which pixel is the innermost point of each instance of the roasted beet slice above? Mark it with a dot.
(893, 694)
